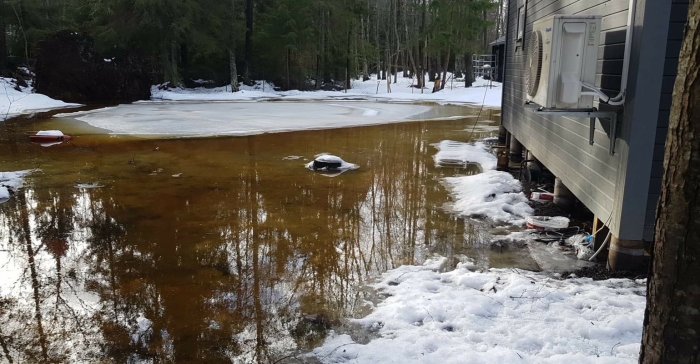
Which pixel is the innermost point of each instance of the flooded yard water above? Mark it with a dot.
(125, 249)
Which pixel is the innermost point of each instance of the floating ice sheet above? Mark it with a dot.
(241, 118)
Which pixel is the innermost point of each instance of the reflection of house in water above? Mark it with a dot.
(615, 170)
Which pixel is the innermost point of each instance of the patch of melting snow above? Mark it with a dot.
(452, 153)
(495, 316)
(493, 194)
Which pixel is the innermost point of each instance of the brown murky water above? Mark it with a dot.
(217, 249)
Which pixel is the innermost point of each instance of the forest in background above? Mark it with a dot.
(302, 44)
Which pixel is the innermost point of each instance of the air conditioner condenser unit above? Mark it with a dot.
(562, 54)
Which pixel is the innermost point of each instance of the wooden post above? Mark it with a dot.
(516, 150)
(502, 135)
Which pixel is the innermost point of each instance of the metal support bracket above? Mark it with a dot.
(591, 114)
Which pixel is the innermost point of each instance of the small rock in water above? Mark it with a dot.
(177, 175)
(330, 163)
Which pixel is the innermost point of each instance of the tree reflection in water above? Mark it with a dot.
(252, 263)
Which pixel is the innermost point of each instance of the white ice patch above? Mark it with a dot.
(496, 316)
(493, 194)
(460, 154)
(10, 181)
(241, 118)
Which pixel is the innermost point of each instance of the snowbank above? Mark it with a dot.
(496, 316)
(481, 92)
(458, 153)
(14, 103)
(11, 181)
(493, 194)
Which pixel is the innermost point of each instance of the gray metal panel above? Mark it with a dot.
(561, 143)
(679, 14)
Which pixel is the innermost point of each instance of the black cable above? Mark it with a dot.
(483, 101)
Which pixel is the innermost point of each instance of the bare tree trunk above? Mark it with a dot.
(379, 52)
(318, 71)
(672, 320)
(248, 39)
(21, 28)
(348, 84)
(444, 68)
(388, 71)
(232, 50)
(395, 29)
(499, 20)
(363, 38)
(289, 51)
(469, 70)
(3, 38)
(409, 50)
(233, 70)
(423, 54)
(320, 62)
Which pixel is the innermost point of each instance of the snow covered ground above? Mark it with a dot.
(14, 103)
(495, 316)
(431, 314)
(452, 153)
(482, 92)
(491, 194)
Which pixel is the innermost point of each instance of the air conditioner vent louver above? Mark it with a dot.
(535, 68)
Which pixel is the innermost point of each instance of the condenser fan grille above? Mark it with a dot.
(534, 63)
